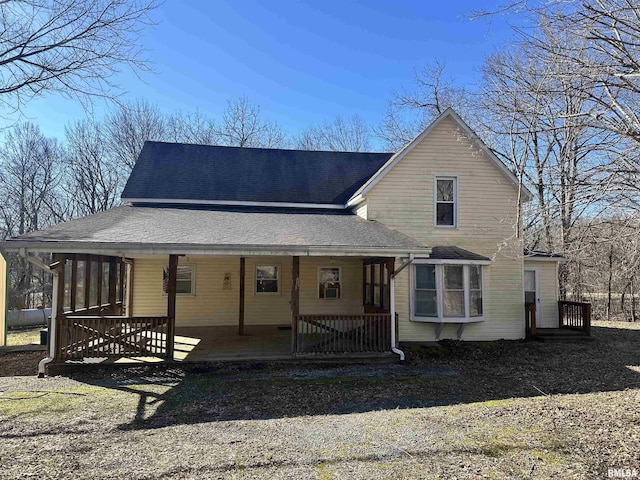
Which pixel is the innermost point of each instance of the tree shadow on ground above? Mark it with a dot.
(451, 373)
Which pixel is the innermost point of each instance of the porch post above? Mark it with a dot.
(295, 302)
(241, 300)
(391, 262)
(171, 304)
(129, 312)
(113, 278)
(73, 285)
(57, 304)
(4, 287)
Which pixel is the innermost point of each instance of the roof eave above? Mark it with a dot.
(121, 249)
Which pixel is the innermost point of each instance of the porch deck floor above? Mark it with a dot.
(223, 344)
(197, 344)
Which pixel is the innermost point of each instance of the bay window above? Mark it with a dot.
(446, 292)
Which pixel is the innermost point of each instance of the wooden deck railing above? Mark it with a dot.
(575, 315)
(343, 333)
(530, 318)
(111, 336)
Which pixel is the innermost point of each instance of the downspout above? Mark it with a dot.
(392, 294)
(54, 308)
(392, 305)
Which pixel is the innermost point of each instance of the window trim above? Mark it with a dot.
(278, 279)
(193, 281)
(439, 266)
(455, 200)
(339, 297)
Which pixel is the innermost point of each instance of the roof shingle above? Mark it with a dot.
(175, 171)
(154, 227)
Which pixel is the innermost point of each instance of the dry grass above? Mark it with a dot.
(468, 411)
(23, 337)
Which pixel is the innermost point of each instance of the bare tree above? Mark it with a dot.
(29, 176)
(191, 127)
(72, 47)
(130, 125)
(350, 135)
(410, 110)
(94, 178)
(243, 126)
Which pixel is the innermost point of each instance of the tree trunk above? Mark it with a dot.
(633, 300)
(609, 282)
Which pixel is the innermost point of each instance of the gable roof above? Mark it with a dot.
(171, 172)
(471, 135)
(219, 230)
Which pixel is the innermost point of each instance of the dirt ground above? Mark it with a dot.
(457, 411)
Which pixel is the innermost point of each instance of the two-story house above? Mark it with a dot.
(275, 253)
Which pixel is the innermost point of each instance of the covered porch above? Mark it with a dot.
(97, 320)
(125, 280)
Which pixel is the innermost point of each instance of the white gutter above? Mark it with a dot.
(127, 249)
(392, 302)
(54, 308)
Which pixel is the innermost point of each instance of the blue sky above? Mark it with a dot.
(302, 62)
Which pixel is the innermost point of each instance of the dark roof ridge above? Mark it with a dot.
(269, 148)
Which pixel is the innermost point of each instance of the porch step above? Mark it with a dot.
(561, 335)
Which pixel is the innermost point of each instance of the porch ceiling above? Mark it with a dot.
(142, 229)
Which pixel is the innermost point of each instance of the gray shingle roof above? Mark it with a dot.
(455, 253)
(201, 172)
(147, 227)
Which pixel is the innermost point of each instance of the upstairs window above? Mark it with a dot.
(329, 282)
(446, 193)
(267, 279)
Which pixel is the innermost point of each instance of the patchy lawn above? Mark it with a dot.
(23, 337)
(467, 411)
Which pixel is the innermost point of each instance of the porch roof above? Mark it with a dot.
(154, 229)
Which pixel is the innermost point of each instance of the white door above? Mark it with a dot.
(532, 291)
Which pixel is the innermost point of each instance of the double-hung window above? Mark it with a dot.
(446, 292)
(446, 201)
(185, 280)
(267, 279)
(329, 282)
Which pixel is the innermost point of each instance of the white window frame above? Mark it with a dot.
(439, 265)
(339, 281)
(455, 200)
(193, 281)
(255, 279)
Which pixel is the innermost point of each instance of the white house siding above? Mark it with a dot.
(350, 301)
(267, 309)
(213, 306)
(548, 291)
(404, 200)
(361, 210)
